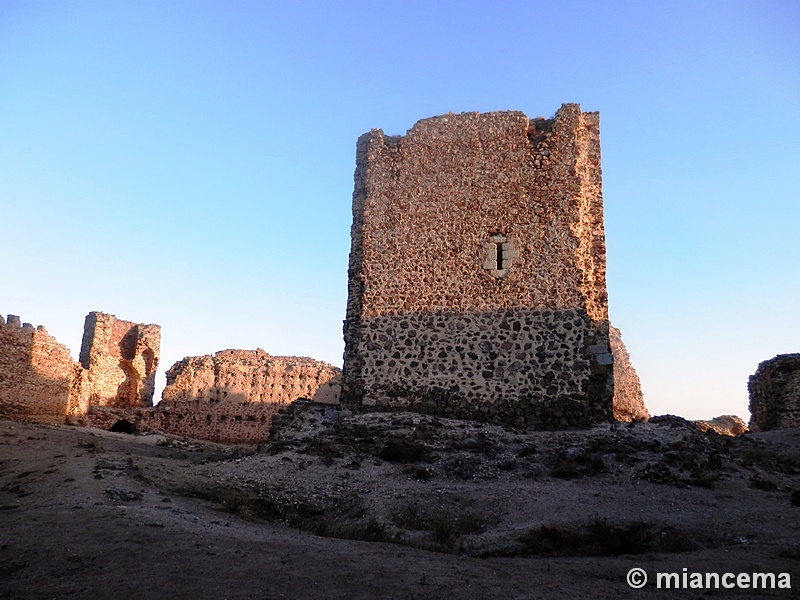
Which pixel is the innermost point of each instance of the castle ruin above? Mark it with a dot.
(477, 271)
(121, 358)
(230, 397)
(476, 289)
(39, 381)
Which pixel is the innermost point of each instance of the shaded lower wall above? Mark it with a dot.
(39, 381)
(775, 393)
(532, 368)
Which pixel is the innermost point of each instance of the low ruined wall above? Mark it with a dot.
(775, 393)
(225, 423)
(246, 376)
(39, 381)
(122, 358)
(628, 397)
(230, 397)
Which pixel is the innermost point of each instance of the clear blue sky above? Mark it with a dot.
(191, 163)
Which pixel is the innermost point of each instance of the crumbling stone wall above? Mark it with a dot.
(628, 398)
(122, 358)
(225, 423)
(775, 393)
(246, 376)
(230, 397)
(477, 271)
(39, 381)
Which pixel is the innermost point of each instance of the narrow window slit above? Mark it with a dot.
(500, 255)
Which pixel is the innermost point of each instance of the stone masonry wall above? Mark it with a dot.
(477, 271)
(122, 358)
(225, 423)
(775, 393)
(628, 398)
(250, 376)
(39, 381)
(230, 397)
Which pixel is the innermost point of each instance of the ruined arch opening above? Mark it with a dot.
(128, 391)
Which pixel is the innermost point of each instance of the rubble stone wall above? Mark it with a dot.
(628, 398)
(230, 397)
(225, 423)
(246, 376)
(775, 393)
(39, 381)
(122, 358)
(477, 271)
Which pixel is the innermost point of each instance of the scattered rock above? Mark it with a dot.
(730, 425)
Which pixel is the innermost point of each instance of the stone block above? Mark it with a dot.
(604, 359)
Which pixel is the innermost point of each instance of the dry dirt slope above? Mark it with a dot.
(393, 506)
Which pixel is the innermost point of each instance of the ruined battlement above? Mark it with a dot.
(39, 381)
(122, 358)
(477, 271)
(14, 323)
(227, 397)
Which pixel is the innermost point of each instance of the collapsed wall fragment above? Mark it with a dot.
(121, 358)
(628, 398)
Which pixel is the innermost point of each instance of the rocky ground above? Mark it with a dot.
(394, 506)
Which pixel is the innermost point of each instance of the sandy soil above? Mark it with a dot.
(394, 506)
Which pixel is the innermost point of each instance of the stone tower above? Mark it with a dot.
(477, 271)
